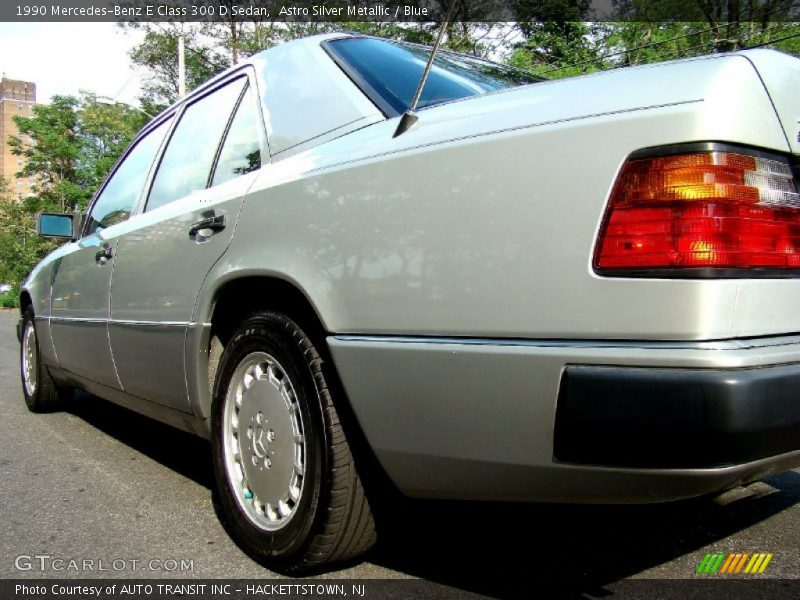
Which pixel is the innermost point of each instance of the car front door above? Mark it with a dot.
(187, 223)
(81, 278)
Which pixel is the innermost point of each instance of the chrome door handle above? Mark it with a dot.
(103, 256)
(207, 227)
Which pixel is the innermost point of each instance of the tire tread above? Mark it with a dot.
(348, 526)
(344, 526)
(49, 396)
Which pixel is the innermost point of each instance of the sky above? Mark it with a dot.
(64, 58)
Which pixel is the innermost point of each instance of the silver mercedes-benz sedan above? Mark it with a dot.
(582, 290)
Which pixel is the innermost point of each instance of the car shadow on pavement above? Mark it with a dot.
(499, 550)
(148, 436)
(507, 550)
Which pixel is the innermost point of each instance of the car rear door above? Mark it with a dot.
(81, 278)
(186, 224)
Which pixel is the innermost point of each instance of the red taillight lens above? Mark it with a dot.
(704, 209)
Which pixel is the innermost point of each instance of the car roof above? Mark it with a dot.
(256, 60)
(307, 97)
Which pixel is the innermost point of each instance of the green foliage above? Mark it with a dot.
(10, 299)
(49, 143)
(158, 55)
(568, 48)
(20, 247)
(703, 26)
(69, 147)
(105, 131)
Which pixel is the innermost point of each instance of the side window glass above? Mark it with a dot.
(186, 165)
(241, 150)
(123, 190)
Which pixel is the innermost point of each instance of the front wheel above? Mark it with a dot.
(288, 482)
(42, 394)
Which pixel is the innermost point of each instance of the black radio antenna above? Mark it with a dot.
(410, 117)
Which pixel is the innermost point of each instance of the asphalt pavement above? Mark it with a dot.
(133, 497)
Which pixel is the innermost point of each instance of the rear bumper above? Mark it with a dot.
(559, 421)
(676, 418)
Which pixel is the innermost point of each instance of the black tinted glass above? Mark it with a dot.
(186, 164)
(123, 190)
(241, 151)
(392, 70)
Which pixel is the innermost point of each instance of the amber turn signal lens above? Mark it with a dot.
(702, 209)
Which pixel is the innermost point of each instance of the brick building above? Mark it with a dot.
(16, 99)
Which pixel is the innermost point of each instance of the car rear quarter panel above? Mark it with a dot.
(450, 231)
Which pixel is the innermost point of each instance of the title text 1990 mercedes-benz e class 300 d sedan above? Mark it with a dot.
(573, 291)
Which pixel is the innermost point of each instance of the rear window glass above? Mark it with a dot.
(186, 164)
(392, 70)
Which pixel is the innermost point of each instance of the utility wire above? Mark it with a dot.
(629, 50)
(788, 37)
(685, 52)
(702, 46)
(661, 42)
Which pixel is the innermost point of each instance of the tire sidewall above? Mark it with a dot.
(32, 400)
(275, 335)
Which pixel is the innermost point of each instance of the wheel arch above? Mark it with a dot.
(219, 310)
(267, 291)
(235, 298)
(25, 301)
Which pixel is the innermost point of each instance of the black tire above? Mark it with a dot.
(332, 521)
(46, 395)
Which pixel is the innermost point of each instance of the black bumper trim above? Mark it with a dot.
(676, 418)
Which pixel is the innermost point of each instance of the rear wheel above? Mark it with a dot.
(42, 394)
(288, 482)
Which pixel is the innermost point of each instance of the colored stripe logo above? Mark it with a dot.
(720, 563)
